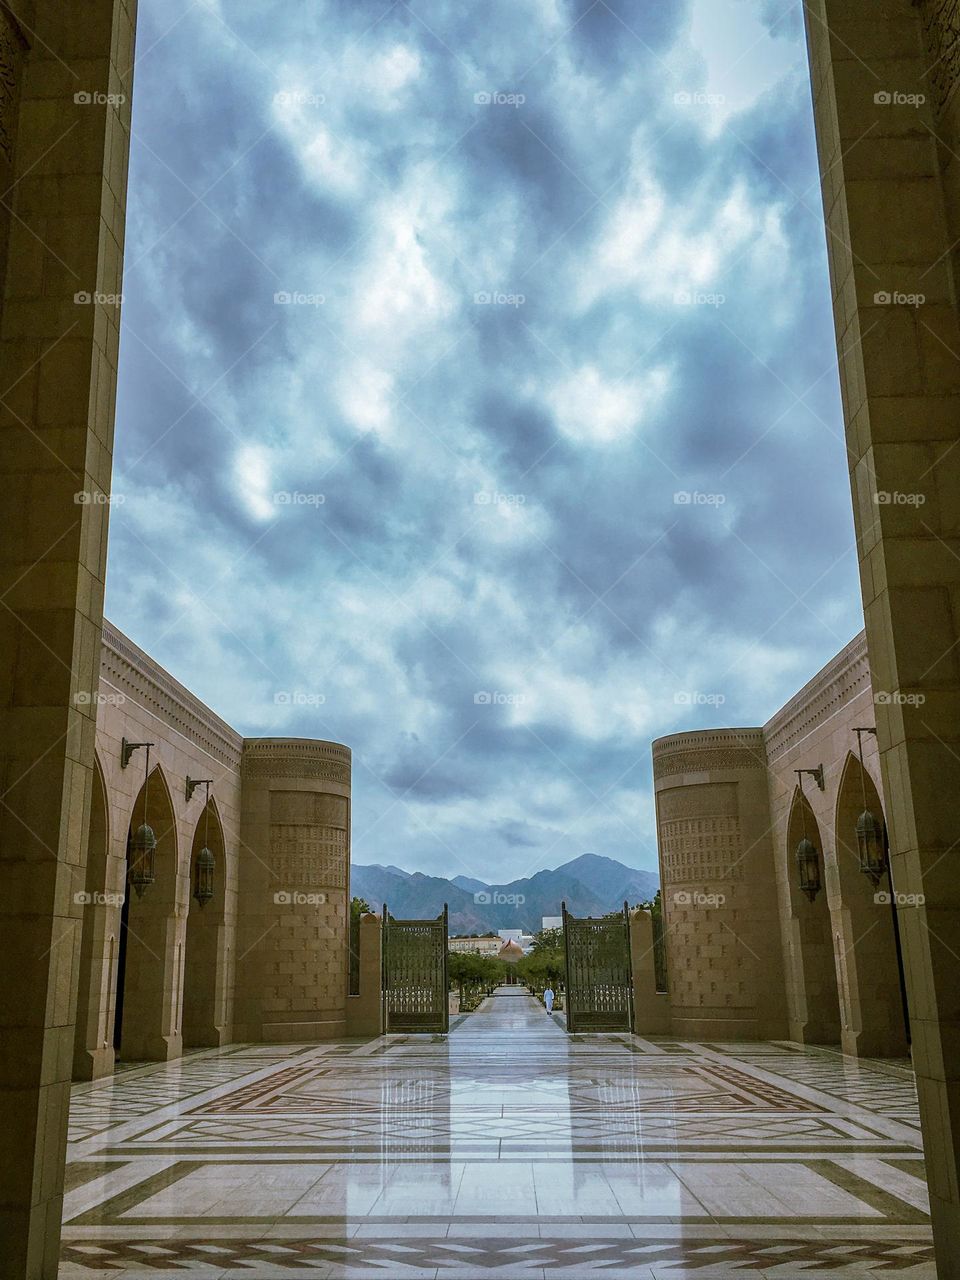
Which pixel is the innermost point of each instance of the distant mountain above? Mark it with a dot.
(467, 882)
(611, 880)
(590, 885)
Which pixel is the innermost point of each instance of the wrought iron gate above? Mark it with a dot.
(415, 974)
(599, 972)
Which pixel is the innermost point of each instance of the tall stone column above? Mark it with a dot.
(65, 85)
(721, 922)
(294, 900)
(885, 80)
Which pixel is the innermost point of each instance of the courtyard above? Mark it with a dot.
(507, 1148)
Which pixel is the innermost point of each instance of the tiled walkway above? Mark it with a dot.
(508, 1149)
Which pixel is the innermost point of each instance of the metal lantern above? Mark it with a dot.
(203, 876)
(808, 864)
(142, 850)
(871, 846)
(142, 858)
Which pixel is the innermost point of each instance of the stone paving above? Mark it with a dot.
(506, 1149)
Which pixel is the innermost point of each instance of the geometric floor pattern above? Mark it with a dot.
(505, 1149)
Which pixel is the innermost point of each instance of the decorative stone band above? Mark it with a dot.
(296, 758)
(941, 29)
(709, 751)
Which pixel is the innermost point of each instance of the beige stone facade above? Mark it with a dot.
(265, 957)
(750, 954)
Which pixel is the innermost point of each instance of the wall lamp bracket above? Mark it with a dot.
(816, 774)
(193, 783)
(127, 749)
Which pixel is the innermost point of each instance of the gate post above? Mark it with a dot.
(651, 1008)
(365, 1010)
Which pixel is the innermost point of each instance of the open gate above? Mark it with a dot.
(599, 971)
(415, 980)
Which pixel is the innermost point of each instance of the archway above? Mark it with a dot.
(203, 972)
(150, 964)
(874, 1001)
(816, 1003)
(99, 924)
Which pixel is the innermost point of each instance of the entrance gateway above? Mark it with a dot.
(599, 971)
(415, 982)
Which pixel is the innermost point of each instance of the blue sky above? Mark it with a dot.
(478, 402)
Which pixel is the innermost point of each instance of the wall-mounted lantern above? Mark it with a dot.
(142, 848)
(871, 838)
(205, 864)
(808, 855)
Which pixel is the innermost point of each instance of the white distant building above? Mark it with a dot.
(552, 922)
(523, 940)
(475, 946)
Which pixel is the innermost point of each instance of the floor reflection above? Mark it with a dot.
(507, 1148)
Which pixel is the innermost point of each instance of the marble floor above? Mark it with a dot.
(506, 1149)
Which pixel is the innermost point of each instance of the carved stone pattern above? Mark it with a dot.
(700, 800)
(308, 807)
(11, 61)
(941, 29)
(847, 676)
(701, 849)
(272, 767)
(309, 856)
(705, 761)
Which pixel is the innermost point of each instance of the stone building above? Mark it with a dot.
(887, 113)
(264, 957)
(751, 953)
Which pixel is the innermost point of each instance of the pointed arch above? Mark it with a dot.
(147, 1018)
(816, 1002)
(869, 940)
(204, 958)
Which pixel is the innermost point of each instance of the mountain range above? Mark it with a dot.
(591, 885)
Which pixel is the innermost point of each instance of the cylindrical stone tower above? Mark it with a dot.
(722, 928)
(294, 900)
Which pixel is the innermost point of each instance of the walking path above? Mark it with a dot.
(506, 1149)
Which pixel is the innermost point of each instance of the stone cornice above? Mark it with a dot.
(843, 678)
(707, 750)
(134, 673)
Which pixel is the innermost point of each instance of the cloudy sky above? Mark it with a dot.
(478, 404)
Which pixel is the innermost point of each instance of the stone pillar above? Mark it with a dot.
(365, 1010)
(721, 922)
(65, 84)
(651, 1008)
(294, 890)
(890, 198)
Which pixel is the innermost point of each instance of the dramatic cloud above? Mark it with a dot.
(478, 398)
